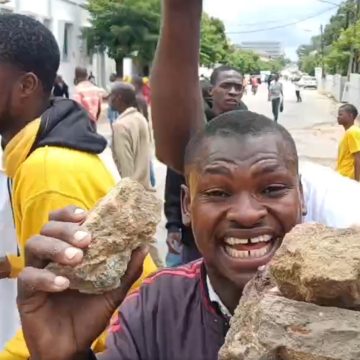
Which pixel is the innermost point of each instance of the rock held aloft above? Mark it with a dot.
(121, 222)
(303, 306)
(320, 265)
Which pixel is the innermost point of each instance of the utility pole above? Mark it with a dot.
(322, 50)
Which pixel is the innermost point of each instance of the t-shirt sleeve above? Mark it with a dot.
(354, 141)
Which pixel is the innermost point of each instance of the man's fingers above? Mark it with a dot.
(68, 214)
(133, 273)
(68, 232)
(33, 281)
(41, 250)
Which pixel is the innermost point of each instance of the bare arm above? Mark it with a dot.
(357, 166)
(176, 99)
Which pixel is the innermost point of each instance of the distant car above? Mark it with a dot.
(308, 82)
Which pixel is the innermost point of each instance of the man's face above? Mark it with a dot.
(228, 91)
(10, 94)
(243, 197)
(344, 117)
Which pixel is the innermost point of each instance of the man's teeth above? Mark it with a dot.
(258, 239)
(249, 253)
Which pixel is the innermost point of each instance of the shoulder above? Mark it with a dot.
(354, 131)
(55, 167)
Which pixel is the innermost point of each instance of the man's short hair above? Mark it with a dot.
(240, 124)
(217, 71)
(30, 46)
(349, 108)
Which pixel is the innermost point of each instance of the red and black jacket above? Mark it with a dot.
(169, 318)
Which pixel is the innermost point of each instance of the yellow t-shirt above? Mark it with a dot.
(349, 146)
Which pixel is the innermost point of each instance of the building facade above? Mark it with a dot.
(66, 19)
(270, 49)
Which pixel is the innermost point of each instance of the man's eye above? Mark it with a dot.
(275, 190)
(216, 193)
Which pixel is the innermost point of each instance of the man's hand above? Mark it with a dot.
(60, 324)
(5, 268)
(173, 242)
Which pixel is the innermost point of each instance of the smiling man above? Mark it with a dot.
(243, 196)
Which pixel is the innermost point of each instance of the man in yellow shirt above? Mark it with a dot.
(51, 148)
(349, 149)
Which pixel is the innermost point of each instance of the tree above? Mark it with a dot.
(339, 40)
(214, 43)
(124, 28)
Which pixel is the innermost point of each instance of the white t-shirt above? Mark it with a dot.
(9, 317)
(276, 89)
(331, 199)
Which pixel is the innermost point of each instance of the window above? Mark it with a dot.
(67, 41)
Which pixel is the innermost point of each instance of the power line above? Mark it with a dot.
(284, 25)
(329, 2)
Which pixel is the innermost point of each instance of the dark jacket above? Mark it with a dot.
(61, 91)
(66, 124)
(169, 318)
(172, 208)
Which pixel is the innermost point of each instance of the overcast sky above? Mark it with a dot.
(244, 16)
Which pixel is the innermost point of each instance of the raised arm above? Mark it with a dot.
(176, 100)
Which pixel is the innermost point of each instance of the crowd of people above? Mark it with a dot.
(234, 188)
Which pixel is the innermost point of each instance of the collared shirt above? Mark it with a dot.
(214, 298)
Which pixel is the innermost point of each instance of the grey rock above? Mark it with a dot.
(320, 265)
(268, 326)
(121, 222)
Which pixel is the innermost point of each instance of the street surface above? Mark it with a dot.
(312, 124)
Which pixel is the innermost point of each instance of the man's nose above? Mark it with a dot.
(246, 211)
(233, 90)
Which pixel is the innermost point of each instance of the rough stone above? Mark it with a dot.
(268, 326)
(122, 221)
(320, 265)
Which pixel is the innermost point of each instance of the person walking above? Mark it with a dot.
(61, 89)
(297, 92)
(131, 142)
(276, 96)
(88, 95)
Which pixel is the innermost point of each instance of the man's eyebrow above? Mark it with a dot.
(217, 170)
(268, 169)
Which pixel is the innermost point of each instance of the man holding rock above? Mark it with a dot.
(244, 195)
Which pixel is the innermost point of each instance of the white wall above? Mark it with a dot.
(56, 14)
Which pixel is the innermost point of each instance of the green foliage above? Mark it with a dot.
(124, 28)
(131, 28)
(214, 43)
(340, 36)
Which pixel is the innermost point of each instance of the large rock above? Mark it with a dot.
(320, 265)
(122, 221)
(268, 326)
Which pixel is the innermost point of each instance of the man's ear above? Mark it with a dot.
(302, 199)
(29, 83)
(185, 205)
